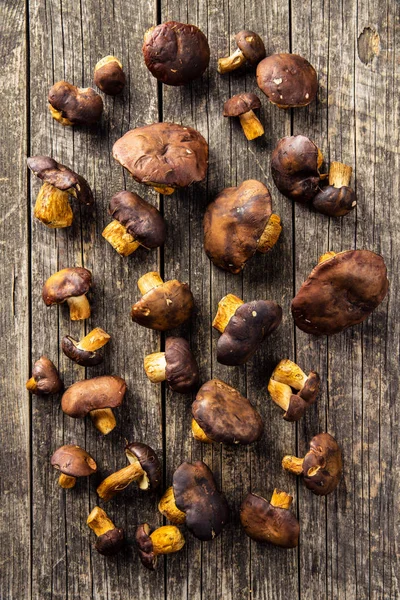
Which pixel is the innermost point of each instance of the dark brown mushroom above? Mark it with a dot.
(110, 539)
(321, 467)
(242, 106)
(109, 75)
(286, 377)
(164, 540)
(341, 291)
(288, 80)
(176, 365)
(239, 223)
(84, 352)
(70, 105)
(136, 223)
(72, 461)
(270, 522)
(250, 48)
(69, 285)
(176, 53)
(336, 199)
(166, 156)
(45, 378)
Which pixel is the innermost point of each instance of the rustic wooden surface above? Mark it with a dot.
(350, 542)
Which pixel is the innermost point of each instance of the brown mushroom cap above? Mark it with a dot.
(109, 76)
(322, 466)
(225, 415)
(176, 53)
(334, 202)
(340, 292)
(196, 495)
(141, 219)
(251, 45)
(73, 461)
(164, 307)
(241, 104)
(182, 371)
(80, 106)
(85, 358)
(304, 398)
(67, 283)
(144, 546)
(148, 459)
(111, 542)
(106, 391)
(288, 80)
(163, 154)
(46, 377)
(234, 223)
(269, 524)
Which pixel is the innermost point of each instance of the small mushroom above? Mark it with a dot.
(242, 106)
(95, 396)
(176, 53)
(45, 378)
(84, 352)
(136, 223)
(195, 500)
(321, 467)
(250, 48)
(176, 365)
(223, 415)
(239, 223)
(164, 305)
(69, 285)
(286, 377)
(166, 156)
(270, 522)
(72, 461)
(110, 539)
(243, 327)
(341, 291)
(59, 183)
(336, 199)
(163, 540)
(70, 105)
(109, 75)
(288, 80)
(144, 468)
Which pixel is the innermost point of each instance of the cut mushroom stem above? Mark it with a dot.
(166, 540)
(232, 62)
(99, 521)
(226, 309)
(31, 385)
(199, 434)
(251, 125)
(94, 340)
(168, 508)
(270, 235)
(339, 174)
(326, 256)
(103, 419)
(149, 281)
(288, 372)
(53, 208)
(123, 242)
(293, 464)
(154, 366)
(120, 480)
(66, 481)
(165, 190)
(280, 393)
(79, 308)
(281, 499)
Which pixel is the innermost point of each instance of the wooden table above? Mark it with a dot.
(350, 541)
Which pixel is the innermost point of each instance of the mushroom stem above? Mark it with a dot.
(320, 160)
(339, 174)
(116, 482)
(99, 521)
(251, 125)
(281, 499)
(326, 256)
(166, 540)
(66, 482)
(163, 189)
(103, 419)
(155, 365)
(226, 309)
(52, 207)
(94, 340)
(168, 508)
(31, 385)
(149, 281)
(293, 464)
(122, 241)
(199, 434)
(79, 308)
(57, 115)
(280, 393)
(288, 372)
(270, 235)
(232, 62)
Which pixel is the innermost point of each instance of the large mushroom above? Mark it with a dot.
(84, 352)
(176, 53)
(69, 285)
(336, 199)
(110, 539)
(96, 396)
(151, 544)
(239, 223)
(221, 414)
(109, 75)
(176, 365)
(166, 156)
(243, 106)
(341, 291)
(195, 500)
(72, 461)
(250, 48)
(321, 467)
(286, 377)
(45, 378)
(71, 105)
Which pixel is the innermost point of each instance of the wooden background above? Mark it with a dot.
(350, 541)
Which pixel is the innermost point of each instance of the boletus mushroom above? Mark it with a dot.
(109, 75)
(52, 205)
(72, 461)
(221, 414)
(135, 223)
(286, 377)
(250, 48)
(166, 156)
(288, 80)
(69, 285)
(177, 366)
(244, 326)
(96, 396)
(144, 468)
(164, 305)
(243, 106)
(336, 199)
(176, 53)
(84, 352)
(321, 467)
(341, 291)
(71, 105)
(195, 500)
(110, 539)
(239, 223)
(151, 544)
(270, 522)
(45, 378)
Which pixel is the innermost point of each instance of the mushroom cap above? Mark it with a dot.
(196, 495)
(163, 154)
(164, 307)
(106, 391)
(234, 223)
(141, 219)
(73, 281)
(269, 524)
(111, 542)
(294, 167)
(46, 377)
(251, 45)
(176, 53)
(326, 454)
(148, 459)
(144, 545)
(249, 326)
(85, 358)
(73, 461)
(304, 398)
(340, 292)
(61, 177)
(109, 76)
(240, 104)
(225, 415)
(182, 371)
(333, 201)
(81, 106)
(288, 80)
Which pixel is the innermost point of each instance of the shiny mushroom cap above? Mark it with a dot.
(67, 283)
(182, 372)
(106, 391)
(111, 542)
(85, 358)
(164, 307)
(251, 45)
(61, 177)
(322, 465)
(144, 546)
(71, 105)
(141, 219)
(148, 459)
(109, 76)
(241, 104)
(336, 199)
(45, 378)
(73, 461)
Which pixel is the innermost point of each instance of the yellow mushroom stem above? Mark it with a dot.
(57, 115)
(123, 242)
(293, 464)
(31, 385)
(199, 434)
(281, 499)
(149, 281)
(160, 188)
(251, 125)
(326, 256)
(105, 61)
(79, 308)
(166, 540)
(52, 207)
(226, 309)
(339, 174)
(99, 521)
(232, 62)
(280, 393)
(168, 508)
(288, 372)
(103, 419)
(118, 481)
(94, 340)
(320, 159)
(66, 481)
(154, 366)
(270, 235)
